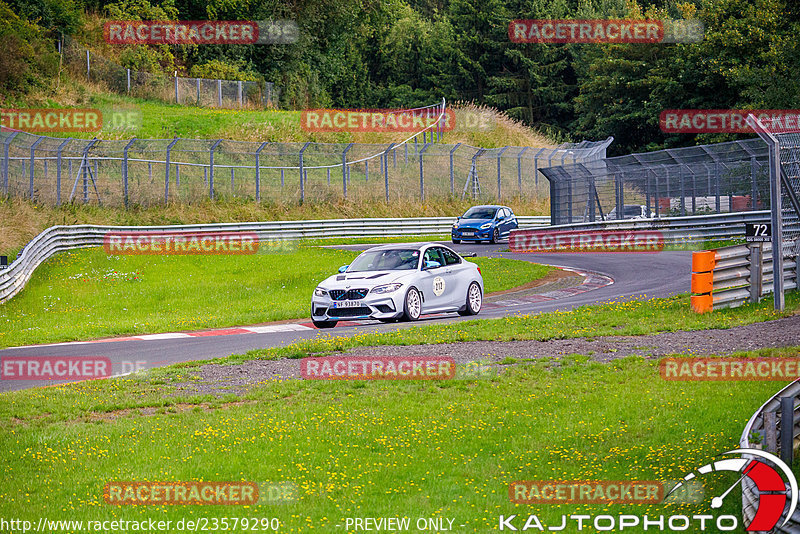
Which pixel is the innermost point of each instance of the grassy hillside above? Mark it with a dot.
(162, 120)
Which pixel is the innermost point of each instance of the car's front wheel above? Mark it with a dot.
(324, 324)
(495, 236)
(412, 307)
(474, 300)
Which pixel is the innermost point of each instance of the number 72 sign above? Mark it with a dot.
(757, 232)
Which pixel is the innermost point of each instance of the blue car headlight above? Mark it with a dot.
(386, 288)
(319, 292)
(486, 226)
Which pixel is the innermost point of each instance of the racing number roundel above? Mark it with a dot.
(438, 286)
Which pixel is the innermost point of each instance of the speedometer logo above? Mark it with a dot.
(773, 478)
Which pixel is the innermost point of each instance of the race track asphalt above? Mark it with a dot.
(635, 275)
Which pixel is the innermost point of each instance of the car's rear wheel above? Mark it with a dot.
(495, 236)
(412, 307)
(474, 300)
(324, 324)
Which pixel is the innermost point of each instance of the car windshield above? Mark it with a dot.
(479, 212)
(385, 260)
(633, 210)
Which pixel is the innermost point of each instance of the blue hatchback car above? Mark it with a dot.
(484, 223)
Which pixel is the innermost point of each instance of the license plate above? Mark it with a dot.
(468, 233)
(347, 304)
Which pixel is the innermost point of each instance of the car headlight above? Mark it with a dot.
(486, 226)
(319, 292)
(387, 288)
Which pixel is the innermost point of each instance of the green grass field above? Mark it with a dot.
(87, 294)
(374, 449)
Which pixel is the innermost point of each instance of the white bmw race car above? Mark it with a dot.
(402, 281)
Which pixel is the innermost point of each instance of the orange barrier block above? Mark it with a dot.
(702, 303)
(702, 283)
(704, 261)
(703, 280)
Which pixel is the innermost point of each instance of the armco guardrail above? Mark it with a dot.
(59, 238)
(766, 423)
(677, 230)
(730, 276)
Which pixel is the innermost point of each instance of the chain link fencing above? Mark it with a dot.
(82, 63)
(699, 180)
(145, 172)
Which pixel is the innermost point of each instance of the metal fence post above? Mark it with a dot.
(6, 160)
(219, 93)
(258, 169)
(166, 175)
(536, 168)
(386, 174)
(88, 67)
(302, 177)
(366, 170)
(716, 187)
(452, 175)
(683, 191)
(58, 171)
(198, 91)
(797, 264)
(519, 169)
(129, 80)
(499, 155)
(125, 170)
(239, 88)
(421, 172)
(33, 159)
(177, 100)
(756, 271)
(787, 429)
(344, 169)
(753, 188)
(211, 170)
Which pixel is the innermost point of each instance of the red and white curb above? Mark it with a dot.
(591, 281)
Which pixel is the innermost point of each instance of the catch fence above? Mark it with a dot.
(81, 62)
(699, 180)
(144, 172)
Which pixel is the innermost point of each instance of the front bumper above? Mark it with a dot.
(382, 306)
(477, 234)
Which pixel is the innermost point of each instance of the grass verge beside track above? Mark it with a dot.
(86, 294)
(374, 448)
(616, 318)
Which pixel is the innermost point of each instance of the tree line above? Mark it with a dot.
(400, 53)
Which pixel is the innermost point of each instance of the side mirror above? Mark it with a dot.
(432, 265)
(458, 218)
(343, 268)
